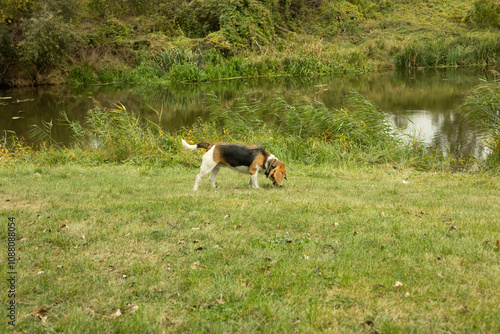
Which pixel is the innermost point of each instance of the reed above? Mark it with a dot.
(308, 131)
(297, 130)
(462, 51)
(482, 108)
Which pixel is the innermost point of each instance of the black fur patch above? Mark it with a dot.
(239, 155)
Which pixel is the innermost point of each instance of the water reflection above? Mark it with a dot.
(422, 101)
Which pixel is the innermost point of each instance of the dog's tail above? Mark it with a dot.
(194, 147)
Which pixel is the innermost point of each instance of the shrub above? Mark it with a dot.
(485, 13)
(49, 39)
(7, 51)
(246, 23)
(199, 18)
(66, 9)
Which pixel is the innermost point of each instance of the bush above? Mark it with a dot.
(246, 23)
(7, 51)
(198, 18)
(485, 14)
(49, 39)
(66, 9)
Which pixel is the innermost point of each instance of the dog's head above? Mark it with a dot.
(278, 173)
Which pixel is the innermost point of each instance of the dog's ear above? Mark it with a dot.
(276, 176)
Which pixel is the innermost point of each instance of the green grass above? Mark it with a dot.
(322, 254)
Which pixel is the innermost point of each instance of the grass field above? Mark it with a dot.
(369, 249)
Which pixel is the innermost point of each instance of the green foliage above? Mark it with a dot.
(49, 38)
(68, 10)
(485, 13)
(450, 52)
(12, 10)
(482, 108)
(246, 23)
(118, 135)
(339, 17)
(83, 74)
(114, 8)
(7, 51)
(307, 131)
(198, 18)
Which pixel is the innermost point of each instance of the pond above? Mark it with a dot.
(422, 103)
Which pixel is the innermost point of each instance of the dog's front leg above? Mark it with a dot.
(253, 181)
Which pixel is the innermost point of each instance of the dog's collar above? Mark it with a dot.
(269, 168)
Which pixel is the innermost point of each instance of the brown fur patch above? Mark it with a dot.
(279, 173)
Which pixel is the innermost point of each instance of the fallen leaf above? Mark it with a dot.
(40, 272)
(306, 257)
(226, 216)
(199, 248)
(42, 310)
(195, 265)
(116, 314)
(133, 309)
(398, 283)
(452, 227)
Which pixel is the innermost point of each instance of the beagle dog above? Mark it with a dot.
(245, 159)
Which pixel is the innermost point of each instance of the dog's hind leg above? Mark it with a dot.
(215, 171)
(208, 164)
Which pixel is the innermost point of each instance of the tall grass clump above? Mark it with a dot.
(463, 51)
(482, 108)
(308, 131)
(180, 65)
(118, 135)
